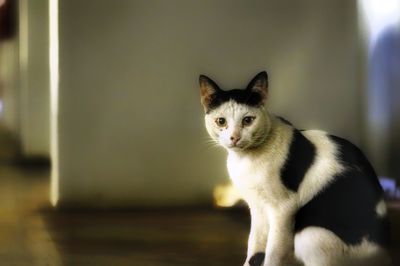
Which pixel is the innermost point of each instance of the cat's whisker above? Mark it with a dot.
(212, 143)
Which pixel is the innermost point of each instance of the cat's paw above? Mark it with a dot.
(255, 260)
(282, 261)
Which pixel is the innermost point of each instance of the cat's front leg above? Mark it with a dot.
(258, 237)
(280, 248)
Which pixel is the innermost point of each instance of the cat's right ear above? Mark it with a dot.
(259, 85)
(208, 91)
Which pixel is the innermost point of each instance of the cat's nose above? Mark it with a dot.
(235, 139)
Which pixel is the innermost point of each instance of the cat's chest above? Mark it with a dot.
(251, 173)
(258, 180)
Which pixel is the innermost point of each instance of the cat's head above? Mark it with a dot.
(236, 119)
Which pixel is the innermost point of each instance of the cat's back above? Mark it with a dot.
(348, 199)
(342, 155)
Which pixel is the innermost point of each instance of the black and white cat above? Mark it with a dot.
(314, 198)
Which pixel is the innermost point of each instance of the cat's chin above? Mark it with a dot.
(236, 148)
(242, 147)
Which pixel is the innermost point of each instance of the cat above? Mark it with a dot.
(314, 198)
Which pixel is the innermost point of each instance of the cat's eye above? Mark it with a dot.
(221, 121)
(247, 120)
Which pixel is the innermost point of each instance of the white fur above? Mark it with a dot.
(381, 208)
(316, 246)
(324, 167)
(234, 113)
(255, 171)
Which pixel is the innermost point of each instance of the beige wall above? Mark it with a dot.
(9, 84)
(34, 78)
(24, 77)
(130, 125)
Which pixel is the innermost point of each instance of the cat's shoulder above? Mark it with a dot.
(344, 151)
(321, 138)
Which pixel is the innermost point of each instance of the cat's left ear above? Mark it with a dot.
(208, 91)
(259, 85)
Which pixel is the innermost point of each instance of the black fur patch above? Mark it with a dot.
(257, 259)
(285, 121)
(246, 97)
(347, 206)
(300, 158)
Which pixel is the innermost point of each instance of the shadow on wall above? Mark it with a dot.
(7, 19)
(384, 80)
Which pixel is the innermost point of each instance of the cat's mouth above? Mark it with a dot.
(237, 146)
(245, 145)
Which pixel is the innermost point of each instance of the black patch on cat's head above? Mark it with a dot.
(254, 95)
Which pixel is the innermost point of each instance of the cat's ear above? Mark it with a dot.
(259, 85)
(208, 91)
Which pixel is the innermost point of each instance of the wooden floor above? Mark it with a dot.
(31, 233)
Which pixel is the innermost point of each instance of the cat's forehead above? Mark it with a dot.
(231, 109)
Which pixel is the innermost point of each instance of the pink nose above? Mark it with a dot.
(235, 139)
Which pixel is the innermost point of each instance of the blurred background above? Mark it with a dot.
(103, 152)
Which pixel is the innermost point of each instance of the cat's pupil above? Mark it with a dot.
(221, 121)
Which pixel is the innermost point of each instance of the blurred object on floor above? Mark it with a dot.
(226, 195)
(390, 187)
